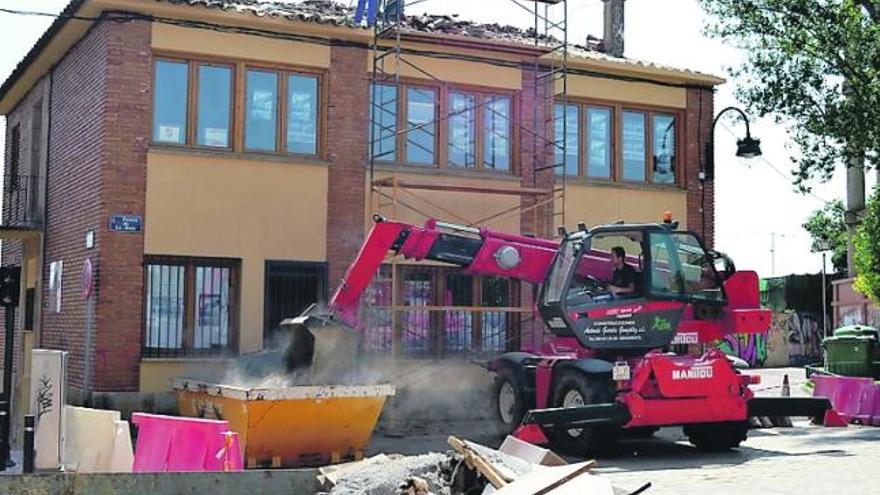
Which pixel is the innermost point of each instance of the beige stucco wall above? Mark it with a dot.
(460, 207)
(454, 71)
(156, 374)
(598, 204)
(628, 92)
(236, 208)
(238, 46)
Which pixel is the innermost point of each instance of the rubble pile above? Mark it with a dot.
(516, 468)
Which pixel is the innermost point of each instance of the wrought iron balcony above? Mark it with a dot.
(23, 202)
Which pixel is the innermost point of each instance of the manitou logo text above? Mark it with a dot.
(695, 373)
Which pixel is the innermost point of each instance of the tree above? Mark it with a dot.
(827, 223)
(799, 53)
(867, 252)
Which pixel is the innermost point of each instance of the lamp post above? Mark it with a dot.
(747, 147)
(824, 245)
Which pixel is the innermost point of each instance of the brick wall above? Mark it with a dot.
(74, 190)
(97, 166)
(124, 180)
(535, 152)
(698, 128)
(347, 126)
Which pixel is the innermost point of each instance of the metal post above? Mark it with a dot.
(824, 300)
(6, 403)
(29, 453)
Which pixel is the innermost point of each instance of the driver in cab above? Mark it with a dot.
(624, 278)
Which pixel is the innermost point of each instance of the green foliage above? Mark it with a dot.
(867, 250)
(799, 52)
(827, 224)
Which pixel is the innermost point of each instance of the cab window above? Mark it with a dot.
(681, 267)
(600, 278)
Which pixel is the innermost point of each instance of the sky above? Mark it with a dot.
(756, 206)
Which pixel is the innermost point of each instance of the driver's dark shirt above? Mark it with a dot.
(624, 276)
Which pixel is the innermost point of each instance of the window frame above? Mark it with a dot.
(238, 107)
(402, 152)
(187, 348)
(616, 109)
(188, 116)
(15, 157)
(443, 92)
(195, 88)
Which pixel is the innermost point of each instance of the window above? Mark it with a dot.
(435, 312)
(261, 111)
(383, 115)
(170, 91)
(190, 306)
(568, 124)
(593, 133)
(633, 146)
(421, 113)
(14, 157)
(281, 108)
(664, 149)
(681, 267)
(215, 106)
(302, 114)
(599, 142)
(497, 133)
(462, 130)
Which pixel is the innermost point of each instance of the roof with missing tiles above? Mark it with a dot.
(334, 13)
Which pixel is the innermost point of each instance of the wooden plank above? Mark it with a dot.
(476, 461)
(472, 309)
(560, 480)
(513, 191)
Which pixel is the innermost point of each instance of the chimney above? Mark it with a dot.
(613, 33)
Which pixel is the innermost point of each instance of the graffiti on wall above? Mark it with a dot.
(794, 339)
(750, 348)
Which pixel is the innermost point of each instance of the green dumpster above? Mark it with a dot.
(854, 350)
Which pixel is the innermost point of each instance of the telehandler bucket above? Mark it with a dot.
(321, 346)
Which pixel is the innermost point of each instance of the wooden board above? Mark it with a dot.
(572, 479)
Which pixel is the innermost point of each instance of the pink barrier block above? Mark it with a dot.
(173, 444)
(857, 399)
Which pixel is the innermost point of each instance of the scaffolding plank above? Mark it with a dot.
(511, 191)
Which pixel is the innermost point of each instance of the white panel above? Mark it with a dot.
(48, 385)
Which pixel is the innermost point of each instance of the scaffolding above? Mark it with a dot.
(545, 134)
(542, 136)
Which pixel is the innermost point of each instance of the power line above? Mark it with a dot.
(774, 168)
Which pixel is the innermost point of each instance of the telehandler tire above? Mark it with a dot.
(717, 437)
(575, 388)
(508, 405)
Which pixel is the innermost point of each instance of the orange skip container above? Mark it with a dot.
(290, 426)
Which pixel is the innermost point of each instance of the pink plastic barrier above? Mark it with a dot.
(172, 444)
(856, 399)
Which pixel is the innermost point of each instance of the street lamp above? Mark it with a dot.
(747, 147)
(824, 245)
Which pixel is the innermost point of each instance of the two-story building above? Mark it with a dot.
(182, 175)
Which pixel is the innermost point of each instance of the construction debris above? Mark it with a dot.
(518, 469)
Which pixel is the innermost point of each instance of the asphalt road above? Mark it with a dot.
(801, 460)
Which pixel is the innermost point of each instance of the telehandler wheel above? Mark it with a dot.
(508, 405)
(573, 389)
(717, 437)
(640, 431)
